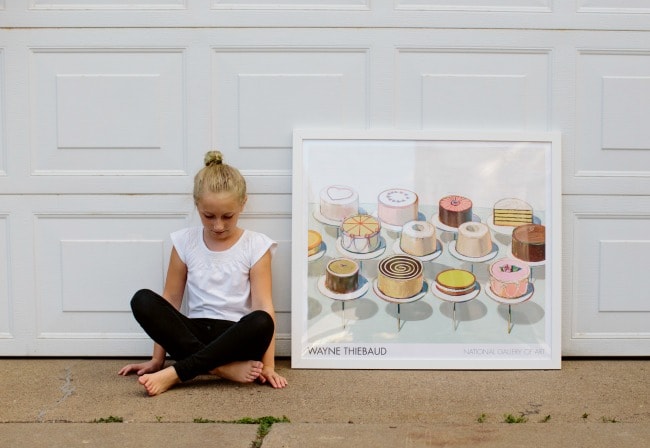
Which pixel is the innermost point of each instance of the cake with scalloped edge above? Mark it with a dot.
(360, 234)
(509, 278)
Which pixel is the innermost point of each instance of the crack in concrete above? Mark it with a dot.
(67, 389)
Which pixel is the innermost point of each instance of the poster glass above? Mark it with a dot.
(425, 250)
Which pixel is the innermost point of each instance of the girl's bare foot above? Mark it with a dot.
(240, 371)
(159, 382)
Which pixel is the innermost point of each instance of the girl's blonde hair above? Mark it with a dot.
(218, 177)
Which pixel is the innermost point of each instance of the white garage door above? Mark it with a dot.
(107, 106)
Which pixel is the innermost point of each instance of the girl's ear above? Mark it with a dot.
(244, 201)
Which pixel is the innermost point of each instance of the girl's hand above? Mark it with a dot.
(272, 377)
(150, 366)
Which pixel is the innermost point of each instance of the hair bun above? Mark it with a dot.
(213, 158)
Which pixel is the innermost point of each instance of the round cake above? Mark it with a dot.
(455, 282)
(400, 276)
(529, 242)
(454, 210)
(360, 234)
(342, 275)
(337, 202)
(418, 238)
(397, 206)
(314, 240)
(473, 239)
(509, 278)
(512, 212)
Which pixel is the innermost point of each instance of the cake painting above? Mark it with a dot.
(400, 276)
(454, 210)
(337, 202)
(360, 234)
(509, 278)
(397, 206)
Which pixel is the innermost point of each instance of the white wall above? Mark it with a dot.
(106, 107)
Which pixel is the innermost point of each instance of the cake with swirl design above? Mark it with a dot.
(400, 276)
(360, 234)
(342, 275)
(418, 238)
(337, 202)
(529, 242)
(397, 206)
(509, 278)
(473, 240)
(454, 210)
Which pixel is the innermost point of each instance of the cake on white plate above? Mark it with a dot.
(397, 206)
(454, 210)
(400, 276)
(512, 212)
(360, 234)
(473, 240)
(337, 202)
(418, 238)
(342, 276)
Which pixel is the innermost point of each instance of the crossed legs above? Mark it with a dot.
(231, 350)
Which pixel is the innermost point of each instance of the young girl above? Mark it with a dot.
(225, 272)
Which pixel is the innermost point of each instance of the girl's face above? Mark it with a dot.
(219, 214)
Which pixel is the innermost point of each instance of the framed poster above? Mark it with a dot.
(426, 250)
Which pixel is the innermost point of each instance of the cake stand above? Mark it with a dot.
(395, 227)
(493, 253)
(363, 288)
(424, 258)
(329, 221)
(521, 299)
(367, 256)
(506, 230)
(456, 299)
(324, 220)
(415, 298)
(435, 220)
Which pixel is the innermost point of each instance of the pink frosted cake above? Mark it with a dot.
(337, 202)
(397, 206)
(509, 278)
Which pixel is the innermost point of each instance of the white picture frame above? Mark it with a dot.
(365, 328)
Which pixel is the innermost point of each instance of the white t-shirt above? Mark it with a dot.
(218, 283)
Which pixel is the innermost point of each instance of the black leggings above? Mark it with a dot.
(200, 345)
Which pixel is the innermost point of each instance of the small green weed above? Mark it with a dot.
(481, 418)
(546, 419)
(109, 419)
(203, 420)
(585, 415)
(509, 418)
(264, 423)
